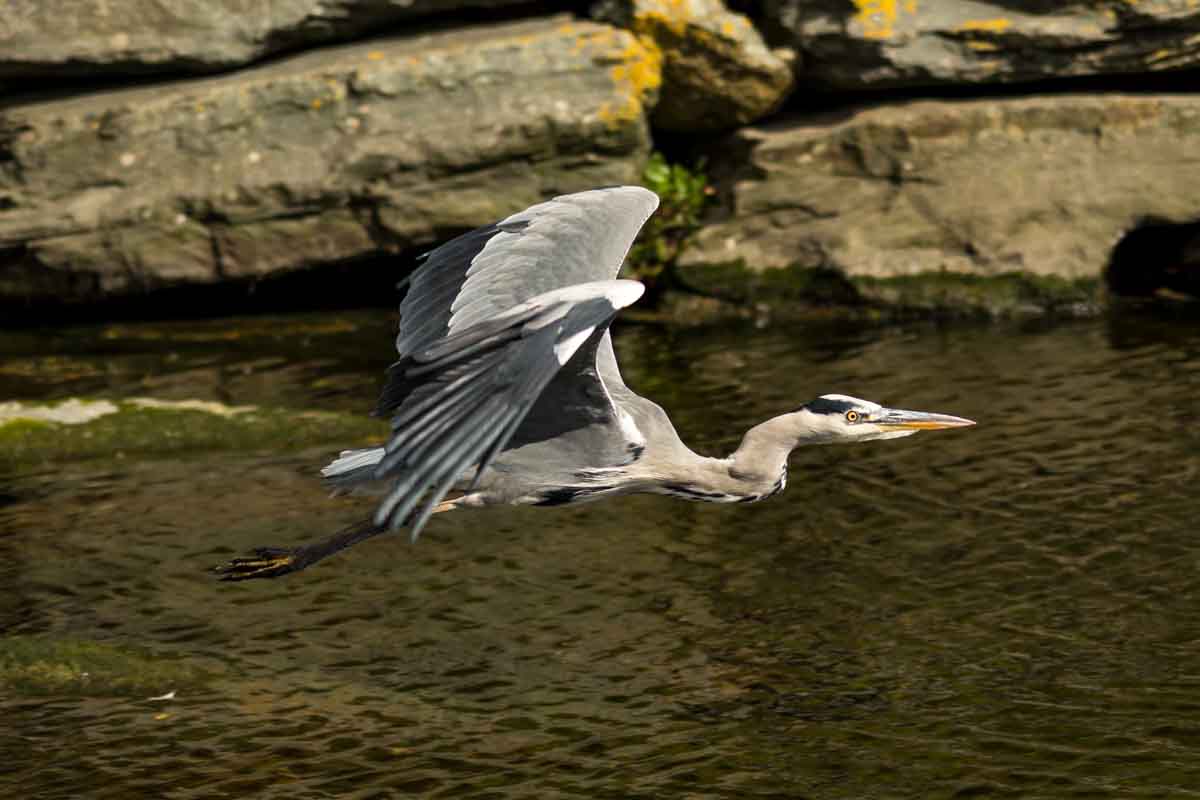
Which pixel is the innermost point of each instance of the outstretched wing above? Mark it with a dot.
(572, 239)
(489, 320)
(466, 394)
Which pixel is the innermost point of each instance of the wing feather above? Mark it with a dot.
(468, 393)
(568, 240)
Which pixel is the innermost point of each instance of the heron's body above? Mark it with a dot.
(551, 465)
(507, 390)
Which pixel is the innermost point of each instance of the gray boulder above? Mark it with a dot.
(69, 38)
(717, 71)
(879, 43)
(327, 156)
(1044, 185)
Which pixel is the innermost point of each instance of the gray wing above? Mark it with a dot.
(572, 239)
(489, 320)
(469, 392)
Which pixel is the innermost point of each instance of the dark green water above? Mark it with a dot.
(1008, 611)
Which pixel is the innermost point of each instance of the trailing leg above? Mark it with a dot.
(271, 562)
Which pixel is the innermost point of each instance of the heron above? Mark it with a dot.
(507, 390)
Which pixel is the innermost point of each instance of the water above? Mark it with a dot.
(1007, 611)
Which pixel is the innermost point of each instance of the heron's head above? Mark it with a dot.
(840, 418)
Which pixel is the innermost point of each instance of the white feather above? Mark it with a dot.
(349, 460)
(567, 347)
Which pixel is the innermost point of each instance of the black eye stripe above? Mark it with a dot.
(823, 405)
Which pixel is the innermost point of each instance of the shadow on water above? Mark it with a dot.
(1006, 611)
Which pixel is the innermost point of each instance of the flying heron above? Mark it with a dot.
(507, 391)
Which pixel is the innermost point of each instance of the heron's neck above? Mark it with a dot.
(764, 451)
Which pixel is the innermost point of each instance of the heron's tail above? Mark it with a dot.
(352, 467)
(271, 562)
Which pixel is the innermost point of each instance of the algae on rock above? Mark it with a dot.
(799, 291)
(40, 665)
(146, 427)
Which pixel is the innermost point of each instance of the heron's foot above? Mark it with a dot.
(267, 562)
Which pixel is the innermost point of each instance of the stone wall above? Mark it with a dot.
(170, 143)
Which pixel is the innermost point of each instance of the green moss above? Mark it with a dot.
(824, 291)
(141, 431)
(40, 665)
(683, 194)
(18, 428)
(1007, 294)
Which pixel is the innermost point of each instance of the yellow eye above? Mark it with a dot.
(851, 416)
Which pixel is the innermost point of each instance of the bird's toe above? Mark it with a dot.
(267, 562)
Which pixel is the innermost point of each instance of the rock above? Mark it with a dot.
(318, 158)
(41, 665)
(717, 72)
(58, 38)
(1042, 185)
(146, 427)
(69, 412)
(878, 43)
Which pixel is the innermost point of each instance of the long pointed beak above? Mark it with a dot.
(919, 420)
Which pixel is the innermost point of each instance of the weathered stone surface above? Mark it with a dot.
(326, 156)
(71, 38)
(717, 71)
(1045, 185)
(877, 43)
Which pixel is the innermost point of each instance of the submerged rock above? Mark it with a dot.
(1043, 185)
(44, 38)
(717, 72)
(68, 412)
(39, 665)
(148, 427)
(319, 158)
(877, 43)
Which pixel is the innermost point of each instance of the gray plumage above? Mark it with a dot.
(507, 390)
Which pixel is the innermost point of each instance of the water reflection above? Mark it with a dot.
(1010, 610)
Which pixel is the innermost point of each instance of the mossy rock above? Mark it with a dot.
(36, 665)
(1004, 295)
(147, 429)
(808, 291)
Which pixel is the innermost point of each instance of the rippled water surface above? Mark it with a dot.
(1012, 610)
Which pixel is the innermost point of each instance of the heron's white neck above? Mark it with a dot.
(765, 448)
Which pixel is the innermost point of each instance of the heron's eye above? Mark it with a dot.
(852, 416)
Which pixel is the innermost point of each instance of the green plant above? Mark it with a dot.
(683, 194)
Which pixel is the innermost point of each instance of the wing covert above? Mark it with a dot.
(570, 239)
(466, 394)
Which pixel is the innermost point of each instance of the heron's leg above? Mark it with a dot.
(271, 562)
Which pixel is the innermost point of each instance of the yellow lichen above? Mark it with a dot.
(673, 15)
(636, 74)
(997, 25)
(878, 17)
